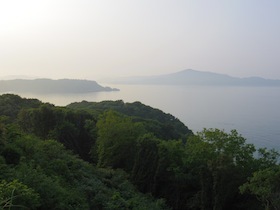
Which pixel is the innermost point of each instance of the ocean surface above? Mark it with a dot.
(253, 111)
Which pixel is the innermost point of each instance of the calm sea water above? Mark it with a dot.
(253, 111)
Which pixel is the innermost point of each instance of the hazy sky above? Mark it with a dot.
(92, 39)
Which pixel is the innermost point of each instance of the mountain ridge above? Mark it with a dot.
(44, 85)
(199, 78)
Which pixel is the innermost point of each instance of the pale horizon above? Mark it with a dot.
(107, 79)
(85, 39)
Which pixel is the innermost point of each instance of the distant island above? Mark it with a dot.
(197, 78)
(49, 86)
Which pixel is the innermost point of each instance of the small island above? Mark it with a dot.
(49, 86)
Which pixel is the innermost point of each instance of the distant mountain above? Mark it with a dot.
(198, 78)
(51, 86)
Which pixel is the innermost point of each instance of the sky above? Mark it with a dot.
(91, 39)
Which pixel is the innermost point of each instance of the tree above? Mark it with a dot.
(146, 163)
(222, 161)
(2, 135)
(267, 158)
(171, 174)
(10, 105)
(14, 195)
(264, 184)
(116, 140)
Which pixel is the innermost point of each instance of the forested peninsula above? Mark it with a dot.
(116, 155)
(49, 86)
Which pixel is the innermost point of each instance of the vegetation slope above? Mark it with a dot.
(116, 155)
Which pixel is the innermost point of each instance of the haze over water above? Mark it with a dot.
(85, 39)
(253, 111)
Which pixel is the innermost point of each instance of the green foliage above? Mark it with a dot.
(2, 134)
(10, 105)
(72, 128)
(116, 141)
(41, 146)
(146, 162)
(11, 155)
(63, 181)
(222, 163)
(265, 185)
(170, 174)
(124, 196)
(15, 195)
(39, 121)
(267, 158)
(162, 125)
(160, 169)
(52, 187)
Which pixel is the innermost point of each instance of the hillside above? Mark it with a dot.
(163, 125)
(191, 77)
(114, 155)
(51, 86)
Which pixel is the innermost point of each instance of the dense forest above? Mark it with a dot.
(116, 155)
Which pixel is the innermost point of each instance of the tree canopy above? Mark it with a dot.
(113, 155)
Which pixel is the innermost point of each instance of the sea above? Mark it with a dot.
(253, 111)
